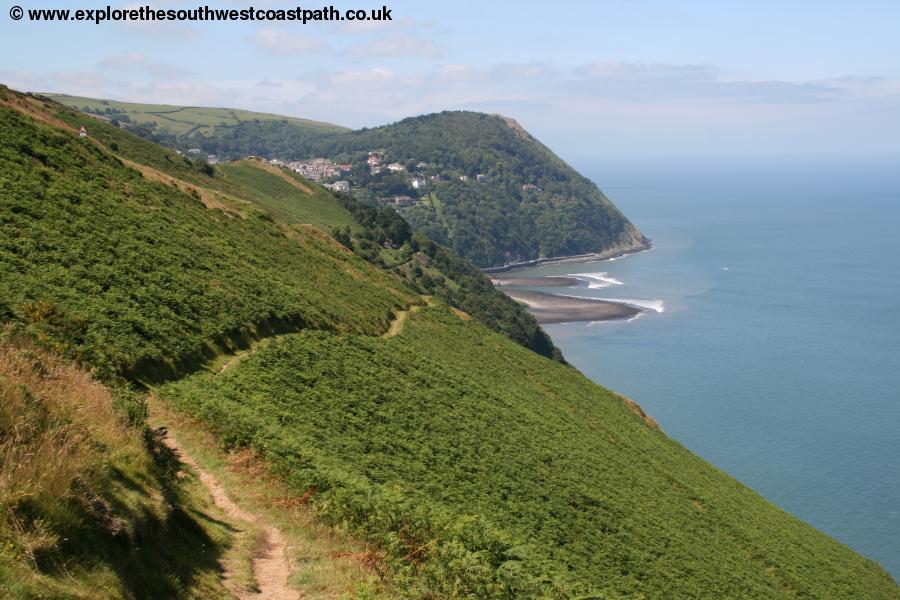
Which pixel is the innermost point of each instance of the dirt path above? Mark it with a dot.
(397, 324)
(232, 361)
(271, 568)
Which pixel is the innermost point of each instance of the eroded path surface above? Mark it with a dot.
(271, 568)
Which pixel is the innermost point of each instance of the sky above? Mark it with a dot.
(589, 78)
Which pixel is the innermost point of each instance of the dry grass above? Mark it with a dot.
(327, 564)
(36, 109)
(461, 314)
(54, 421)
(636, 409)
(87, 509)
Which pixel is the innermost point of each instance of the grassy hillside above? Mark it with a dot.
(165, 280)
(90, 506)
(508, 475)
(188, 124)
(286, 196)
(268, 197)
(479, 469)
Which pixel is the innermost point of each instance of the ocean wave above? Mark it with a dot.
(611, 321)
(654, 305)
(597, 281)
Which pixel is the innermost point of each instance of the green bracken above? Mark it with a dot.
(507, 475)
(480, 469)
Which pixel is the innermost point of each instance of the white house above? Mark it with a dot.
(418, 184)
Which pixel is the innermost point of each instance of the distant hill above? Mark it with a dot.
(492, 192)
(471, 466)
(489, 190)
(187, 127)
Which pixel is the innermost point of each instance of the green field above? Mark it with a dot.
(287, 196)
(183, 120)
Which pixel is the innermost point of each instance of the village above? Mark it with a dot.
(419, 176)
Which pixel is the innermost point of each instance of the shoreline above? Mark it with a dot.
(608, 254)
(549, 281)
(552, 308)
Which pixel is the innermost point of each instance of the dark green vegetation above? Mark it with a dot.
(526, 204)
(529, 204)
(386, 240)
(270, 197)
(230, 132)
(480, 468)
(164, 280)
(90, 506)
(508, 475)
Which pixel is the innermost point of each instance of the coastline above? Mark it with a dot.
(608, 254)
(552, 308)
(549, 281)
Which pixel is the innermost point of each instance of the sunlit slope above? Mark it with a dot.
(133, 272)
(509, 475)
(501, 196)
(255, 189)
(287, 196)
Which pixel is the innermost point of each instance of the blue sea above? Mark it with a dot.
(775, 353)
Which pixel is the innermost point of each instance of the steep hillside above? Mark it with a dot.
(166, 278)
(510, 476)
(383, 238)
(476, 467)
(266, 195)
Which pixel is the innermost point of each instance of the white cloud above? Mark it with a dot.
(655, 82)
(137, 61)
(400, 45)
(285, 43)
